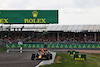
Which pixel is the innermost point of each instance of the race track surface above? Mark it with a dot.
(17, 60)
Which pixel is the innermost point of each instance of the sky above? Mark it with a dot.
(71, 12)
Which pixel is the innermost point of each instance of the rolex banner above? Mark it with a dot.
(80, 57)
(28, 16)
(72, 53)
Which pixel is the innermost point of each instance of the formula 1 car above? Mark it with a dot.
(43, 53)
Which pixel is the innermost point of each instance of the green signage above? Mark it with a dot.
(28, 16)
(79, 57)
(71, 53)
(54, 46)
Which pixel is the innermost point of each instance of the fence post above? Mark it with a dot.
(7, 51)
(21, 49)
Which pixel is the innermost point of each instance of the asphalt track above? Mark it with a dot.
(17, 60)
(24, 59)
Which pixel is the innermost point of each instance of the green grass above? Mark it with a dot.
(2, 48)
(92, 60)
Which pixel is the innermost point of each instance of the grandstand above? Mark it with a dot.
(50, 33)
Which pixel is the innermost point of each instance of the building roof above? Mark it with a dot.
(51, 27)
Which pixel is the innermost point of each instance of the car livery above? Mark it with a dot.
(42, 53)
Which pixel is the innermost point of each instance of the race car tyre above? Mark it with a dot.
(37, 55)
(33, 56)
(50, 56)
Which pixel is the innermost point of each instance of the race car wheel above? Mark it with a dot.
(50, 56)
(37, 55)
(33, 56)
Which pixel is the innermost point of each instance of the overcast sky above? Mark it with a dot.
(71, 12)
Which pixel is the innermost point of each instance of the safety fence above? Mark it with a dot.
(54, 45)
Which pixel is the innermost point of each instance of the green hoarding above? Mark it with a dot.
(72, 53)
(28, 16)
(80, 57)
(55, 45)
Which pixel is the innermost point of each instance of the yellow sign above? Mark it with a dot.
(71, 54)
(13, 45)
(3, 20)
(34, 20)
(7, 45)
(79, 56)
(35, 13)
(79, 59)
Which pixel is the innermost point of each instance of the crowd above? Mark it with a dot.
(51, 37)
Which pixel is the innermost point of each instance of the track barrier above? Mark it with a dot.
(87, 46)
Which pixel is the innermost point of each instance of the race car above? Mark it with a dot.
(43, 53)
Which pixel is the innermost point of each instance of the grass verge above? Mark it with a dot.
(2, 48)
(63, 60)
